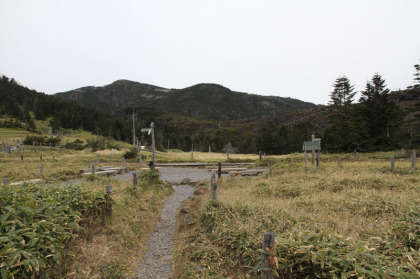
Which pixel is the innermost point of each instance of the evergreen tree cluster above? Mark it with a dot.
(18, 103)
(372, 124)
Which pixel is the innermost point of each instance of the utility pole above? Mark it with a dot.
(152, 125)
(134, 131)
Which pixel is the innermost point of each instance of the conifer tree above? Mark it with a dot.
(377, 111)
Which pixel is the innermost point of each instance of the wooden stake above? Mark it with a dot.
(392, 163)
(93, 170)
(213, 187)
(271, 166)
(219, 170)
(413, 160)
(135, 180)
(41, 170)
(268, 243)
(108, 206)
(339, 161)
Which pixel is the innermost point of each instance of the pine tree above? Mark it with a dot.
(377, 111)
(417, 76)
(344, 132)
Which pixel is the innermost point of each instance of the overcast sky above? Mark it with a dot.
(284, 48)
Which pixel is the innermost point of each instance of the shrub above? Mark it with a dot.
(130, 154)
(37, 222)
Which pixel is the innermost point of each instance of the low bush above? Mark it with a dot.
(37, 223)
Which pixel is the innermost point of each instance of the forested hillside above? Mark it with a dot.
(202, 101)
(20, 106)
(380, 120)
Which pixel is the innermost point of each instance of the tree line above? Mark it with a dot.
(376, 122)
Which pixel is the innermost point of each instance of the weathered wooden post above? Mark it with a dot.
(108, 206)
(97, 158)
(339, 161)
(413, 160)
(41, 170)
(317, 158)
(209, 148)
(213, 187)
(268, 244)
(219, 170)
(93, 170)
(135, 180)
(40, 158)
(293, 161)
(306, 160)
(313, 157)
(392, 162)
(192, 152)
(53, 158)
(271, 166)
(110, 156)
(140, 159)
(6, 181)
(21, 157)
(260, 156)
(123, 162)
(77, 157)
(89, 164)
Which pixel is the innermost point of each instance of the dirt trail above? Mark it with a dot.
(157, 261)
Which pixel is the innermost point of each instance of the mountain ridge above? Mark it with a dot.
(204, 100)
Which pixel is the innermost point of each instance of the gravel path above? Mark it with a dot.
(157, 261)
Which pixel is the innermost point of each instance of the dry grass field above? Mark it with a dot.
(360, 220)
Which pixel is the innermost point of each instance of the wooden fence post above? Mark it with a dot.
(192, 152)
(271, 166)
(339, 161)
(135, 180)
(306, 159)
(77, 157)
(392, 162)
(40, 158)
(140, 159)
(219, 170)
(213, 187)
(108, 206)
(6, 181)
(41, 170)
(123, 162)
(413, 160)
(89, 164)
(53, 158)
(293, 161)
(259, 156)
(268, 243)
(21, 157)
(97, 158)
(93, 170)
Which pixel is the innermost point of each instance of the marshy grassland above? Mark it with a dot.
(357, 220)
(360, 220)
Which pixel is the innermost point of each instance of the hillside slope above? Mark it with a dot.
(203, 101)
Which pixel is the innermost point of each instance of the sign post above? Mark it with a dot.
(149, 131)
